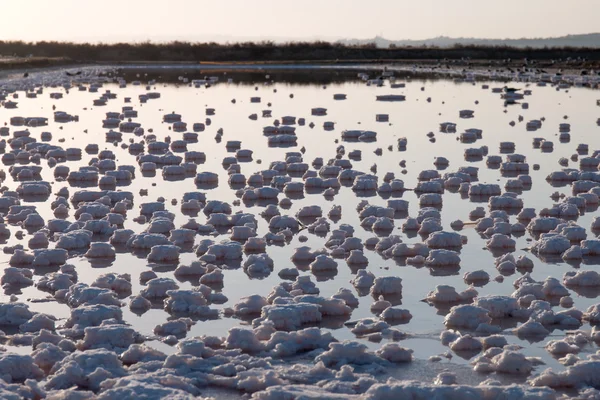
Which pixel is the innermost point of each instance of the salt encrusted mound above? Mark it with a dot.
(255, 245)
(226, 251)
(561, 347)
(100, 250)
(301, 391)
(78, 239)
(118, 283)
(396, 315)
(177, 327)
(189, 302)
(444, 240)
(551, 243)
(92, 315)
(421, 390)
(151, 387)
(163, 254)
(18, 368)
(442, 258)
(196, 268)
(498, 341)
(215, 277)
(368, 326)
(481, 189)
(14, 314)
(110, 337)
(158, 288)
(251, 305)
(466, 343)
(259, 265)
(447, 294)
(357, 258)
(394, 353)
(500, 306)
(85, 369)
(363, 279)
(46, 354)
(289, 316)
(304, 285)
(582, 279)
(146, 241)
(80, 294)
(476, 276)
(467, 316)
(573, 253)
(323, 264)
(244, 340)
(17, 277)
(281, 222)
(580, 375)
(139, 304)
(506, 201)
(500, 241)
(285, 344)
(592, 314)
(304, 254)
(38, 322)
(404, 250)
(389, 285)
(347, 352)
(543, 224)
(16, 391)
(327, 307)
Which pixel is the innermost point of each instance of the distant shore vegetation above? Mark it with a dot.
(276, 52)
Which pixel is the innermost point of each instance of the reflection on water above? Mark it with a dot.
(287, 93)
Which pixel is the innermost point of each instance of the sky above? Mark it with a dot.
(235, 20)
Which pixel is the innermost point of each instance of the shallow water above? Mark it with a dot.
(412, 118)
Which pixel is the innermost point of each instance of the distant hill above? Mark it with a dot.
(591, 40)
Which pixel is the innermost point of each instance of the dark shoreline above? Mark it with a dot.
(460, 67)
(52, 53)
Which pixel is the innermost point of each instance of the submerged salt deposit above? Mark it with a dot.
(159, 241)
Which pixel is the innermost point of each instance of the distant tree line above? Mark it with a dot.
(270, 51)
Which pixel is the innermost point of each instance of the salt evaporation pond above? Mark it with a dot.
(332, 151)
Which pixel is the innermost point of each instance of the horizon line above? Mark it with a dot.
(241, 39)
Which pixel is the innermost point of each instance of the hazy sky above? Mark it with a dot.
(137, 20)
